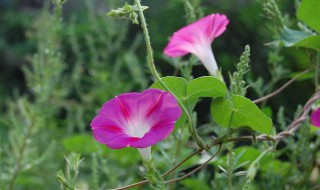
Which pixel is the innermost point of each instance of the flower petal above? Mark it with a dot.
(201, 33)
(157, 105)
(214, 25)
(108, 131)
(112, 139)
(121, 107)
(315, 118)
(157, 133)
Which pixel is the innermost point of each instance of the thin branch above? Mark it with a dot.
(166, 173)
(281, 88)
(183, 161)
(132, 185)
(197, 169)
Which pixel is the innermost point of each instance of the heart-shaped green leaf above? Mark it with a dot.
(177, 85)
(200, 87)
(189, 94)
(206, 87)
(246, 113)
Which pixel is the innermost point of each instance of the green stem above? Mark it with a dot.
(230, 153)
(155, 73)
(156, 180)
(22, 151)
(178, 150)
(230, 164)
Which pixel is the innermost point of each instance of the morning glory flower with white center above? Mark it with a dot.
(137, 120)
(196, 38)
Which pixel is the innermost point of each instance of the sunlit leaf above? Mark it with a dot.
(246, 113)
(206, 87)
(200, 87)
(189, 93)
(178, 86)
(309, 13)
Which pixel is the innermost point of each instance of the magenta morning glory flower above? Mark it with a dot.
(136, 120)
(196, 38)
(315, 117)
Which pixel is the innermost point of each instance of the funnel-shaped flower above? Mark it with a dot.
(315, 117)
(136, 120)
(196, 38)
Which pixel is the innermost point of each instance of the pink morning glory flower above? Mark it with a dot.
(196, 38)
(315, 118)
(136, 120)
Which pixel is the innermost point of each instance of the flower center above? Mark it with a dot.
(137, 129)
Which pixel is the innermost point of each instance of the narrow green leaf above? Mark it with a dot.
(206, 87)
(246, 113)
(309, 13)
(135, 69)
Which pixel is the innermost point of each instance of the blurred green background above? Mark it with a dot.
(248, 25)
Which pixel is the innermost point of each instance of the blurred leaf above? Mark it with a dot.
(246, 113)
(312, 42)
(59, 1)
(126, 156)
(206, 87)
(309, 13)
(194, 184)
(268, 111)
(135, 69)
(81, 143)
(289, 37)
(298, 38)
(307, 76)
(276, 166)
(243, 155)
(314, 129)
(249, 154)
(29, 180)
